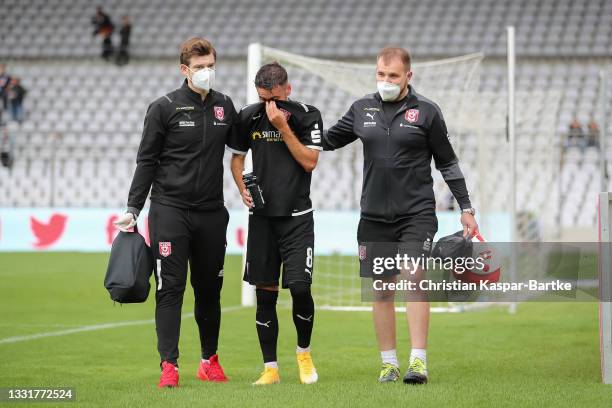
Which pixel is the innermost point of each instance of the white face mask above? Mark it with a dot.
(203, 79)
(388, 91)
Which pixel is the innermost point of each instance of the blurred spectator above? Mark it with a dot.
(123, 56)
(5, 80)
(6, 146)
(593, 135)
(575, 135)
(103, 26)
(16, 94)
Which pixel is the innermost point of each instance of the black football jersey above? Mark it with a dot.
(284, 182)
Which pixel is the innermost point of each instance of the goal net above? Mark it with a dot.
(476, 122)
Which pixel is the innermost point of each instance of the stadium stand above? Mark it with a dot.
(84, 116)
(550, 28)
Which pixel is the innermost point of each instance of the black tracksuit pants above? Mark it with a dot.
(179, 236)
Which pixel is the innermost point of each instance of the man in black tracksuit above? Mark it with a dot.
(397, 150)
(180, 156)
(401, 132)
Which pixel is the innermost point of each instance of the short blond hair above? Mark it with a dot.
(388, 53)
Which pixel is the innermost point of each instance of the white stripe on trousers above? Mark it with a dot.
(159, 279)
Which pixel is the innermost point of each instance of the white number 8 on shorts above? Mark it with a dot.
(309, 257)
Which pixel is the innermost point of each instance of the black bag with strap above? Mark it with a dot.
(129, 268)
(453, 246)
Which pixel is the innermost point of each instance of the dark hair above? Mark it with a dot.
(395, 52)
(271, 75)
(196, 46)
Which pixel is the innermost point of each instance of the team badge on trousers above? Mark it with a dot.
(412, 115)
(165, 249)
(219, 112)
(362, 252)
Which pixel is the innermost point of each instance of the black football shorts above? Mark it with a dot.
(276, 241)
(412, 236)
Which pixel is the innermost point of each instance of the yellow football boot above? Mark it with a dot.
(269, 376)
(308, 372)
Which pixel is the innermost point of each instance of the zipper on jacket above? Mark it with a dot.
(386, 158)
(387, 192)
(202, 148)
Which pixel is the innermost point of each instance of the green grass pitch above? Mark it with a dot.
(546, 355)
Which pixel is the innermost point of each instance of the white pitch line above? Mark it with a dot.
(17, 339)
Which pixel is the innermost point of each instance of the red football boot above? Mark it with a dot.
(169, 375)
(211, 370)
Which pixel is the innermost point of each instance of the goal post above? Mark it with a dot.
(605, 285)
(247, 296)
(511, 55)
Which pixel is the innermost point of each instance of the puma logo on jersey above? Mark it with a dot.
(256, 117)
(308, 319)
(266, 324)
(370, 115)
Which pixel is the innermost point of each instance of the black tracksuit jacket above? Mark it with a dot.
(181, 151)
(397, 180)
